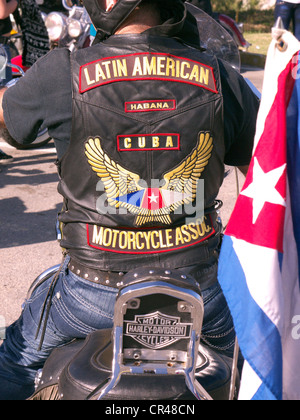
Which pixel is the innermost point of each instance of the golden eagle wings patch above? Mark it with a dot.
(123, 187)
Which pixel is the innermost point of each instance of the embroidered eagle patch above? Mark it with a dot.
(124, 188)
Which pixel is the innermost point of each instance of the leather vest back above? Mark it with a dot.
(147, 136)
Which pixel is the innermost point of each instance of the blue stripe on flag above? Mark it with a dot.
(263, 394)
(258, 337)
(293, 158)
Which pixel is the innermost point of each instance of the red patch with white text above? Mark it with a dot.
(148, 142)
(146, 66)
(148, 106)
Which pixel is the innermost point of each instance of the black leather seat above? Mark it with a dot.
(74, 371)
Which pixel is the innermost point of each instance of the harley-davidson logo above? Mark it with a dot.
(157, 330)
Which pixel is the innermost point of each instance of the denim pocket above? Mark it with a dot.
(79, 307)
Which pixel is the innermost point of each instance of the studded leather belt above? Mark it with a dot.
(115, 279)
(105, 278)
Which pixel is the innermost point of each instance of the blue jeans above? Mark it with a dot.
(290, 13)
(78, 308)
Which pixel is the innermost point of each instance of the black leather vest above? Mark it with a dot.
(147, 136)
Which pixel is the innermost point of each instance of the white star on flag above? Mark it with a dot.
(263, 190)
(153, 198)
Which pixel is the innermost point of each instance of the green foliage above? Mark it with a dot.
(235, 6)
(248, 12)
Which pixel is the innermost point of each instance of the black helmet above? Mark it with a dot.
(108, 21)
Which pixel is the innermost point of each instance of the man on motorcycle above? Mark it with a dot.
(149, 117)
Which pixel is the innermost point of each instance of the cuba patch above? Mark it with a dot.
(148, 142)
(149, 241)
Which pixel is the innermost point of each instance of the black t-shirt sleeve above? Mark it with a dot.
(240, 115)
(5, 26)
(43, 98)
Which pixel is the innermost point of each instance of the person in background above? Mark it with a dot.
(35, 37)
(6, 8)
(289, 11)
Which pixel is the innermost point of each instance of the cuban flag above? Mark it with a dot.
(259, 261)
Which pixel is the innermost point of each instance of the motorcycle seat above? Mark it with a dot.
(77, 369)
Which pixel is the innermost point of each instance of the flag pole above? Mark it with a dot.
(234, 371)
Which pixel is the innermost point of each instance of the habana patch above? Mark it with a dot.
(148, 142)
(146, 66)
(150, 106)
(149, 241)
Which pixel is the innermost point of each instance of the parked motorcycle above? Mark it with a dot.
(43, 136)
(67, 24)
(234, 29)
(69, 30)
(214, 38)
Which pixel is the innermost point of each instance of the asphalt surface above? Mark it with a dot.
(29, 203)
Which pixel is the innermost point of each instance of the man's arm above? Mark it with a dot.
(240, 113)
(4, 134)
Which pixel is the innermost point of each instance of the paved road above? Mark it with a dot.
(28, 206)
